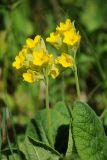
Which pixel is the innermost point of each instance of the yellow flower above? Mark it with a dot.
(54, 38)
(32, 43)
(29, 76)
(37, 39)
(24, 50)
(19, 61)
(71, 37)
(40, 58)
(64, 26)
(65, 60)
(54, 72)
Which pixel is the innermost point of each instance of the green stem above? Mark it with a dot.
(77, 81)
(48, 111)
(63, 88)
(76, 76)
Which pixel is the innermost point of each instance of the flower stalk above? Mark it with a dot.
(63, 88)
(76, 76)
(48, 110)
(77, 81)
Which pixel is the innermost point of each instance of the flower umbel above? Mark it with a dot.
(65, 34)
(34, 59)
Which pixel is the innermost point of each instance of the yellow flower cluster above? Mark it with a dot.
(35, 61)
(65, 34)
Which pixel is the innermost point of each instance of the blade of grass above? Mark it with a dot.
(15, 135)
(0, 142)
(10, 117)
(0, 137)
(3, 126)
(13, 128)
(11, 121)
(4, 129)
(9, 143)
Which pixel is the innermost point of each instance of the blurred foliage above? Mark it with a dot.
(20, 19)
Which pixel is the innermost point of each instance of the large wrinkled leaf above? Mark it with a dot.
(88, 133)
(35, 150)
(60, 119)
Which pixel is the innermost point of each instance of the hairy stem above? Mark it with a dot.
(63, 88)
(77, 81)
(76, 76)
(48, 111)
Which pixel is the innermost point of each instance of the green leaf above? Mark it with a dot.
(35, 150)
(60, 120)
(7, 155)
(88, 133)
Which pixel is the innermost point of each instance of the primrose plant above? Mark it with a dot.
(63, 132)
